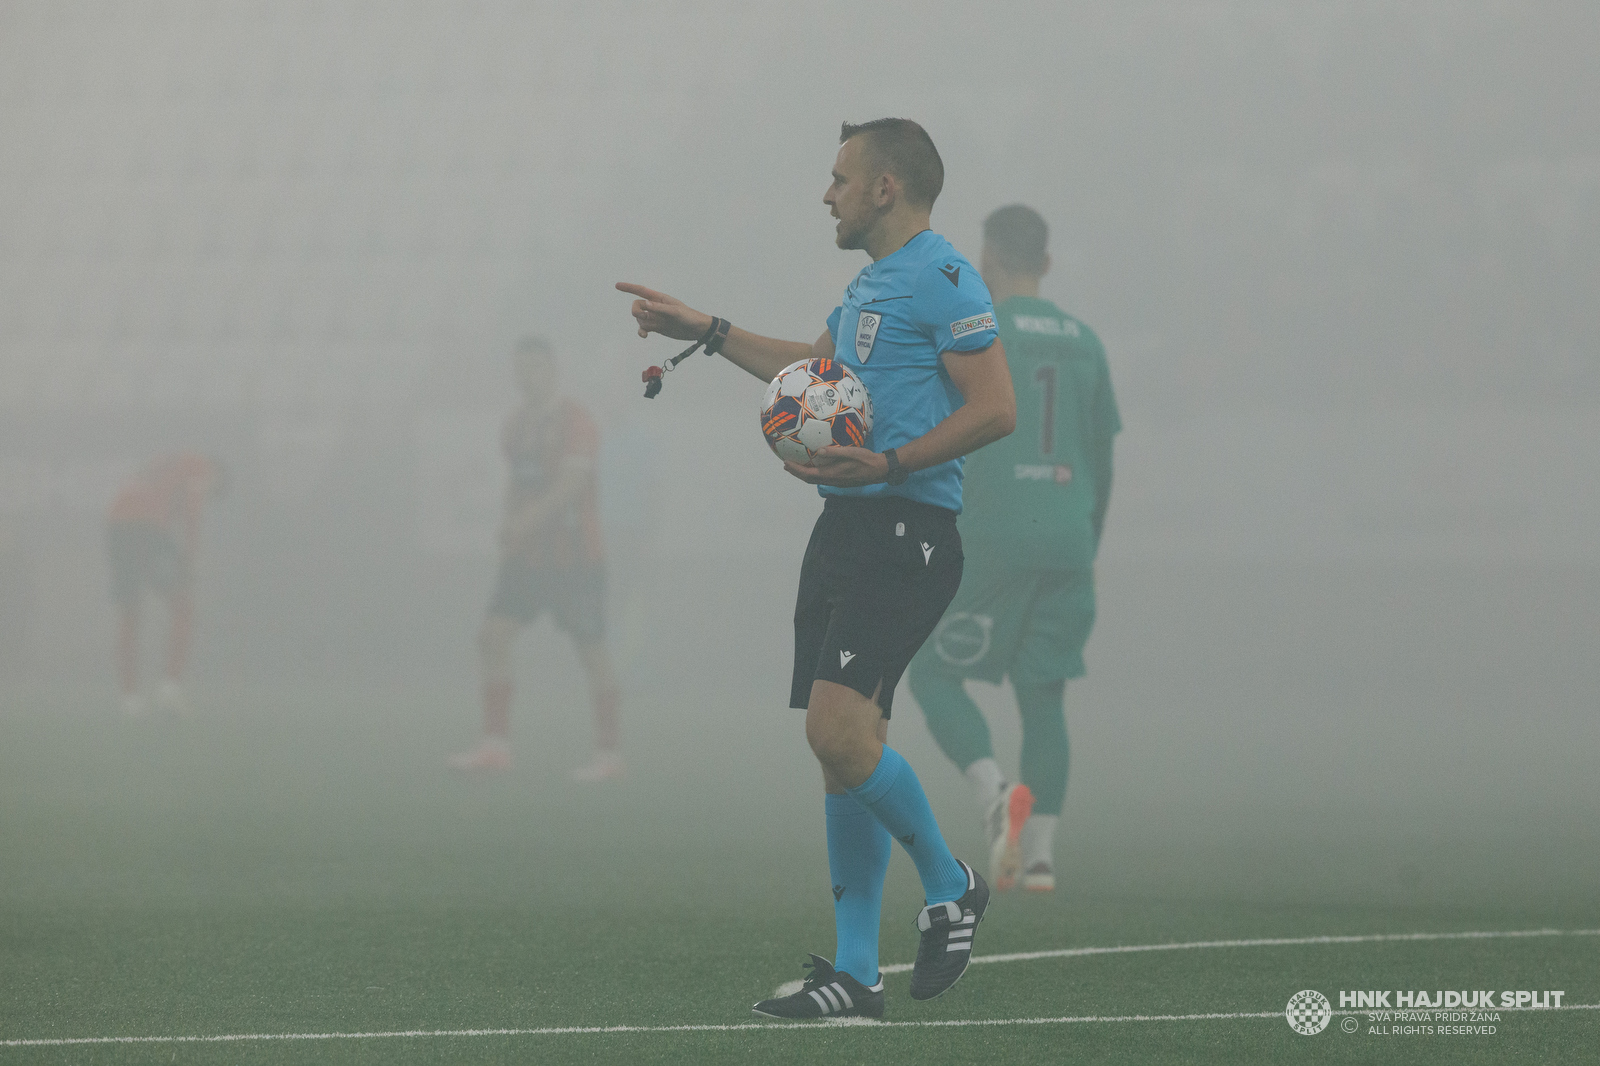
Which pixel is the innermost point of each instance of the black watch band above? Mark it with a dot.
(897, 473)
(715, 335)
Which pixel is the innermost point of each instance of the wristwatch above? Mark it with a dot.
(897, 473)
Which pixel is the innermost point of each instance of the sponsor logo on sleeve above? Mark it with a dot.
(965, 326)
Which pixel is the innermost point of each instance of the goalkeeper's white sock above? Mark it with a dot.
(1039, 840)
(987, 781)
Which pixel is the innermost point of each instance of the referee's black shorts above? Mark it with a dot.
(877, 576)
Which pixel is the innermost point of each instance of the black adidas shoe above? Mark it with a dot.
(947, 930)
(827, 993)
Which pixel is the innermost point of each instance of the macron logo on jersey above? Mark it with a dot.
(962, 327)
(845, 657)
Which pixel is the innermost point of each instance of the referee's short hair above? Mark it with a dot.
(1018, 236)
(904, 149)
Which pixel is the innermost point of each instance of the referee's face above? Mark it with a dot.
(850, 197)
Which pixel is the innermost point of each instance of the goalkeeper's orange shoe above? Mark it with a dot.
(492, 754)
(1004, 823)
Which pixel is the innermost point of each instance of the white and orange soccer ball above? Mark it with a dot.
(812, 405)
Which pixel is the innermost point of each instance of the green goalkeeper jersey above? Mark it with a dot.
(1038, 498)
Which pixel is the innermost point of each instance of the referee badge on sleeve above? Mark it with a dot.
(866, 334)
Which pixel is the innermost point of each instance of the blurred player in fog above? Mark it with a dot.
(153, 537)
(1035, 505)
(551, 559)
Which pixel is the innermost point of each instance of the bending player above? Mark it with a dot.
(153, 537)
(1035, 508)
(885, 559)
(551, 559)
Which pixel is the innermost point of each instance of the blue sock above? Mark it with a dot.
(895, 797)
(858, 861)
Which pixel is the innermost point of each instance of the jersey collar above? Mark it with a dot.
(915, 237)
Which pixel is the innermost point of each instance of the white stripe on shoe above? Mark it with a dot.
(837, 987)
(959, 945)
(833, 1000)
(821, 1003)
(952, 913)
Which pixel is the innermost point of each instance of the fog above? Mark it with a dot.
(1343, 257)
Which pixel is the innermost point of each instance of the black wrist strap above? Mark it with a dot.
(897, 473)
(717, 335)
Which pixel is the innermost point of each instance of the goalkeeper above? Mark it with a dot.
(1035, 505)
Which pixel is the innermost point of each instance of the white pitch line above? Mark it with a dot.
(817, 1026)
(1267, 942)
(1021, 956)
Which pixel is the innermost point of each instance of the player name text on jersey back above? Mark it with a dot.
(1050, 327)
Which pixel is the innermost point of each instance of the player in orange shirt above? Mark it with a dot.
(551, 559)
(153, 536)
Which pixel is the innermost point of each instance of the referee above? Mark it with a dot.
(917, 326)
(1035, 508)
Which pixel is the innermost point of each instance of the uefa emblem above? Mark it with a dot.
(1308, 1012)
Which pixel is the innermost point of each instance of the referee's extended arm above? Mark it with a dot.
(988, 413)
(656, 312)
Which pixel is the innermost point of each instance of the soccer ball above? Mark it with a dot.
(813, 404)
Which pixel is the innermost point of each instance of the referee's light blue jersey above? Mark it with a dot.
(899, 316)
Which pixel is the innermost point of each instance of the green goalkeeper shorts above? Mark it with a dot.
(1030, 625)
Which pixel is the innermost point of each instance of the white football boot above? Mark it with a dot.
(491, 755)
(1038, 853)
(1039, 877)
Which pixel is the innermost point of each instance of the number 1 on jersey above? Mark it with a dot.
(1045, 378)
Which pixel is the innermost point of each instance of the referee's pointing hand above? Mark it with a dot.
(656, 312)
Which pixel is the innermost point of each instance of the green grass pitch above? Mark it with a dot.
(297, 861)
